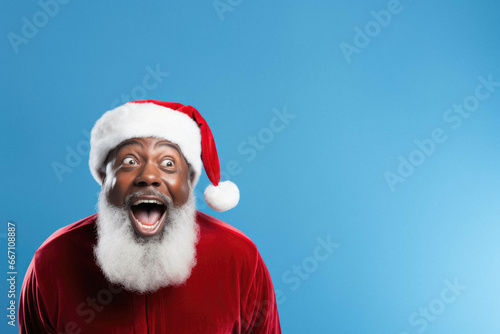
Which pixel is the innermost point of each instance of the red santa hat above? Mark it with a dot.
(180, 124)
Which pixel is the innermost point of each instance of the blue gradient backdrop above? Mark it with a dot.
(343, 167)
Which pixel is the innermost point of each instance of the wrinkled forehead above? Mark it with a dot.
(142, 143)
(146, 142)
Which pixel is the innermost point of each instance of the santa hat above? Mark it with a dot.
(180, 124)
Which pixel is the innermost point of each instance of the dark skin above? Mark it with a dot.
(143, 164)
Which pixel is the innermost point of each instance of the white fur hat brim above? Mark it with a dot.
(136, 120)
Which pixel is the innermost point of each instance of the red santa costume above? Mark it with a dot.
(229, 289)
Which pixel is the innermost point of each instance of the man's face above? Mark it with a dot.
(146, 176)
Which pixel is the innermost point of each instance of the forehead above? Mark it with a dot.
(147, 143)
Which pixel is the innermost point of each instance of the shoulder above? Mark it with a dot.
(223, 248)
(67, 242)
(216, 231)
(82, 229)
(223, 242)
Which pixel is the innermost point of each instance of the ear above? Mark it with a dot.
(104, 166)
(102, 171)
(190, 173)
(102, 175)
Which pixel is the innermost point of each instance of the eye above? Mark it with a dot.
(129, 161)
(167, 163)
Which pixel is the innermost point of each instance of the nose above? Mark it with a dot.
(149, 175)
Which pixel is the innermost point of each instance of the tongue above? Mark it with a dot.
(147, 216)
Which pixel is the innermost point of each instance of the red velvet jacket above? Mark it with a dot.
(229, 290)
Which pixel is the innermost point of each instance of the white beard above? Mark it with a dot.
(146, 264)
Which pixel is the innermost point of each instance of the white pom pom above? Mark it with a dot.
(223, 197)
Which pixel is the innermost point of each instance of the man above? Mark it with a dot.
(148, 262)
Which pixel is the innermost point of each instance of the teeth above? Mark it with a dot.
(148, 227)
(152, 201)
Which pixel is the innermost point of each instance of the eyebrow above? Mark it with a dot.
(128, 143)
(114, 151)
(164, 143)
(175, 147)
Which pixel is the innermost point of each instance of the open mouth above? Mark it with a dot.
(148, 215)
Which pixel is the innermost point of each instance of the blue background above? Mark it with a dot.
(320, 175)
